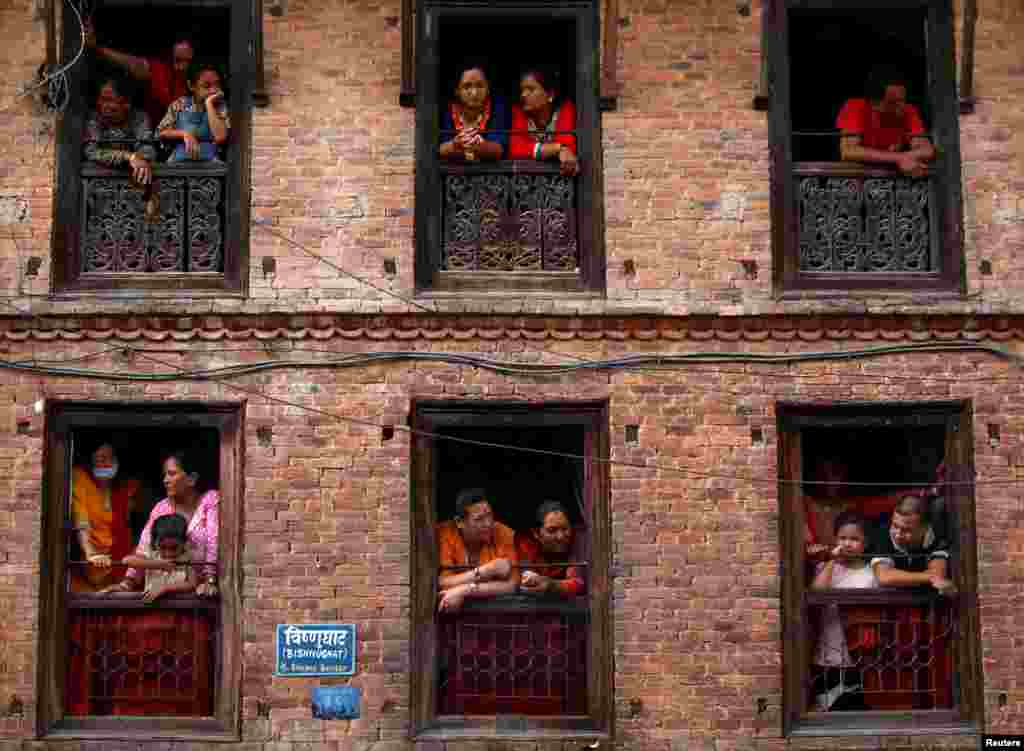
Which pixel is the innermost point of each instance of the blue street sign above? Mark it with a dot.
(315, 649)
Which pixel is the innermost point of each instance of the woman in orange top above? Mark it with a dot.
(540, 123)
(100, 505)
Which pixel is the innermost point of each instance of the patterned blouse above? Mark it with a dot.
(202, 533)
(179, 105)
(113, 146)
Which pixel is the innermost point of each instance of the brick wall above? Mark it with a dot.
(696, 598)
(686, 169)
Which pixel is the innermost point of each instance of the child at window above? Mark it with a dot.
(198, 120)
(837, 679)
(167, 565)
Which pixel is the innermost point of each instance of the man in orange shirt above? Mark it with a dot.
(545, 550)
(884, 129)
(474, 539)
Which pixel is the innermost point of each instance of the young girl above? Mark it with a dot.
(166, 567)
(198, 120)
(837, 678)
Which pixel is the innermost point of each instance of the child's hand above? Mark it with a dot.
(152, 594)
(191, 145)
(837, 552)
(215, 101)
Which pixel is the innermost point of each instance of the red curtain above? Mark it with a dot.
(140, 663)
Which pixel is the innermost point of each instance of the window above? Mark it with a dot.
(109, 663)
(493, 226)
(194, 235)
(845, 225)
(860, 657)
(514, 665)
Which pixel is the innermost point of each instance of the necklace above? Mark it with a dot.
(461, 122)
(547, 133)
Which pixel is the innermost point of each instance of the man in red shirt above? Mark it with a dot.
(884, 129)
(165, 79)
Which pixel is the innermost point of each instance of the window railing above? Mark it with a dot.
(508, 216)
(514, 655)
(898, 647)
(184, 234)
(857, 219)
(128, 658)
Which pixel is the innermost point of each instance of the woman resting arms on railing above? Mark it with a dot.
(116, 135)
(475, 121)
(199, 120)
(540, 122)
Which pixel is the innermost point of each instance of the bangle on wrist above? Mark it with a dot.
(538, 153)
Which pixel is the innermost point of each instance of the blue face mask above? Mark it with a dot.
(105, 473)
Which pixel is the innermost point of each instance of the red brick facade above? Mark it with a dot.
(697, 621)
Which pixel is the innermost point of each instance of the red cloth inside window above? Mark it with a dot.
(140, 663)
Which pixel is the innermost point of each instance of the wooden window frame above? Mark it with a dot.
(967, 717)
(245, 47)
(429, 417)
(62, 417)
(788, 279)
(590, 277)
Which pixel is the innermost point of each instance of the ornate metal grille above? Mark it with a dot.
(508, 218)
(865, 224)
(186, 235)
(514, 662)
(141, 660)
(890, 656)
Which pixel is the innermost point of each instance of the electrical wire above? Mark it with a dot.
(185, 374)
(59, 76)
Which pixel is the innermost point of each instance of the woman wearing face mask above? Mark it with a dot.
(101, 502)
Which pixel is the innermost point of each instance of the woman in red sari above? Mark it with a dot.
(541, 121)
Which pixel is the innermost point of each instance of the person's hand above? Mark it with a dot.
(141, 169)
(817, 551)
(942, 584)
(534, 582)
(499, 569)
(99, 560)
(910, 165)
(214, 102)
(151, 595)
(191, 145)
(450, 600)
(90, 34)
(836, 552)
(568, 162)
(125, 585)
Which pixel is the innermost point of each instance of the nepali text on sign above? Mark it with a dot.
(314, 649)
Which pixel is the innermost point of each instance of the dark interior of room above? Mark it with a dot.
(516, 482)
(831, 57)
(149, 31)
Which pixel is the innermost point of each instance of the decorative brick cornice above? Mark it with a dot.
(456, 327)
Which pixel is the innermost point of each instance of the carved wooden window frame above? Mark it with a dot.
(967, 716)
(788, 279)
(246, 82)
(63, 417)
(590, 274)
(430, 417)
